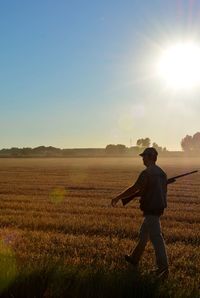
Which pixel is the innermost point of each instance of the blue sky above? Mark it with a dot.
(80, 73)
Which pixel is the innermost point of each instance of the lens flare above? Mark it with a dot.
(57, 195)
(8, 267)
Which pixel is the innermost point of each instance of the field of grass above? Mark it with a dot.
(61, 238)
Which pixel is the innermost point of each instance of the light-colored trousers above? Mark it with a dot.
(151, 229)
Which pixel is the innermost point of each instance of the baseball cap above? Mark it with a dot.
(150, 151)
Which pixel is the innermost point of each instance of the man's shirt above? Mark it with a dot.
(152, 183)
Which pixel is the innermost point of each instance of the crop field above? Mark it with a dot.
(61, 238)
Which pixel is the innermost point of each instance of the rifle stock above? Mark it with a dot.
(125, 201)
(128, 199)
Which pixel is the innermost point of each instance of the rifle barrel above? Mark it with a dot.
(182, 175)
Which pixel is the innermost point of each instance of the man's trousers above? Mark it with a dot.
(151, 229)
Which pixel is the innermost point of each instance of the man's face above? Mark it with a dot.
(148, 160)
(145, 159)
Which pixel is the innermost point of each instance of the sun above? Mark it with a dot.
(179, 66)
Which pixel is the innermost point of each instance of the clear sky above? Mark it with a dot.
(82, 73)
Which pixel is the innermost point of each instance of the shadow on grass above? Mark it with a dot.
(100, 284)
(75, 282)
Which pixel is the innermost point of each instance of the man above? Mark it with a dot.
(152, 184)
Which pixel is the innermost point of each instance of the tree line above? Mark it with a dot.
(189, 145)
(139, 147)
(43, 151)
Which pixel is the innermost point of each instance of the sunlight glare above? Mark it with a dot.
(179, 66)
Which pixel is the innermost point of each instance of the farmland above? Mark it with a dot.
(59, 232)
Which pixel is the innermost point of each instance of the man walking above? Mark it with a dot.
(152, 184)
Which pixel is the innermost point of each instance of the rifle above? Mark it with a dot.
(169, 181)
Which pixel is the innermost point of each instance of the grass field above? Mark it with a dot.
(61, 238)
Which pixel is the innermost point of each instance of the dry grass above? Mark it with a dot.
(59, 210)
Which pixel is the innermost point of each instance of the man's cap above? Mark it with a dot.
(150, 151)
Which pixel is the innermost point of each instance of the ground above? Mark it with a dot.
(61, 238)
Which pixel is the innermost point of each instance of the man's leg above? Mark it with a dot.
(155, 234)
(136, 254)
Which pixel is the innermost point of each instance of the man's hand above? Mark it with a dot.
(114, 201)
(127, 193)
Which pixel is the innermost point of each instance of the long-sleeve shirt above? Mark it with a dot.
(152, 183)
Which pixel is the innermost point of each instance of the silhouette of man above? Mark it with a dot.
(152, 184)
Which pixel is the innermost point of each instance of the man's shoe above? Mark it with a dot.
(130, 260)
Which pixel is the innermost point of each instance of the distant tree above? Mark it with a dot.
(39, 149)
(191, 143)
(46, 151)
(139, 142)
(115, 149)
(14, 151)
(143, 142)
(146, 142)
(121, 148)
(157, 147)
(186, 143)
(154, 145)
(196, 141)
(110, 149)
(26, 151)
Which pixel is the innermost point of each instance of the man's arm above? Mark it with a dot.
(127, 193)
(139, 185)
